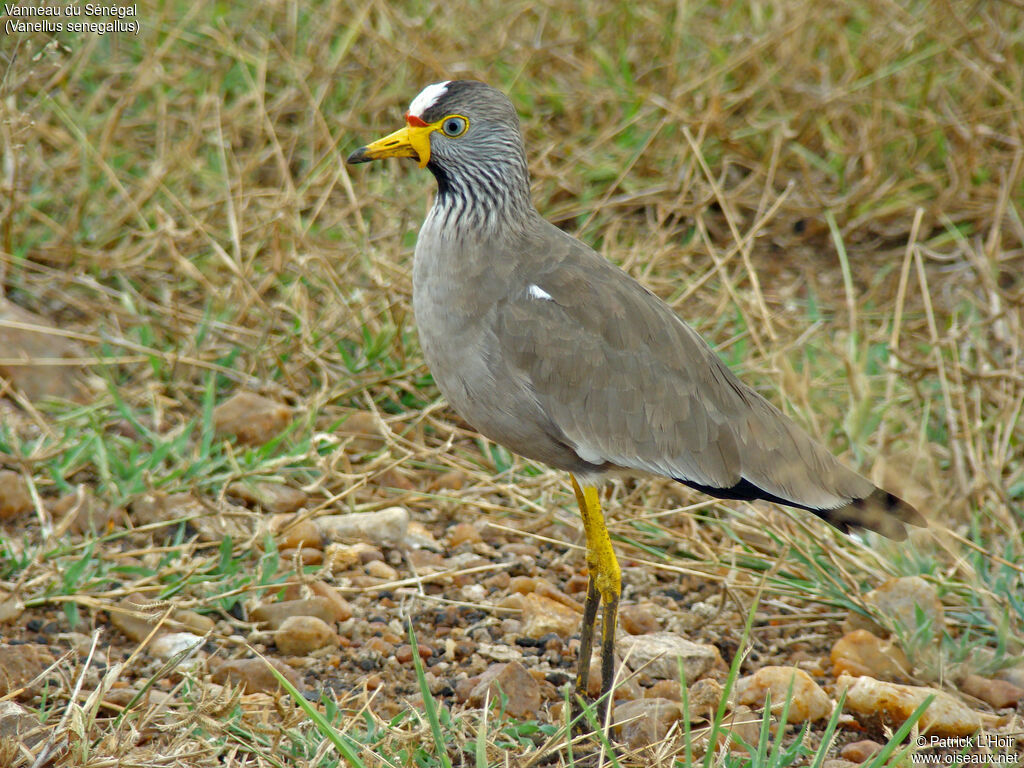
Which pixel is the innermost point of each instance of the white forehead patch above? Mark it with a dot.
(427, 98)
(536, 292)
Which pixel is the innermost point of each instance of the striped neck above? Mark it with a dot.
(483, 197)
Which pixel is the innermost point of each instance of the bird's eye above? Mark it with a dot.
(454, 126)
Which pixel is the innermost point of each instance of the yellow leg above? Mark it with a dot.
(605, 585)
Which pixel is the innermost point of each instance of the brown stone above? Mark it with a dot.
(807, 701)
(361, 433)
(463, 533)
(274, 614)
(644, 722)
(38, 381)
(638, 620)
(21, 664)
(253, 674)
(999, 694)
(898, 600)
(15, 498)
(301, 635)
(542, 615)
(250, 418)
(862, 653)
(340, 608)
(859, 751)
(272, 497)
(509, 680)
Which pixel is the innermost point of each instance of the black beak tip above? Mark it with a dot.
(359, 156)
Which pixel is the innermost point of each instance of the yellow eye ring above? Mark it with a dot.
(454, 126)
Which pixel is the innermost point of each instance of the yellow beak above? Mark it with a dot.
(410, 141)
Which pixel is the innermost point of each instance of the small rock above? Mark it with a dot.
(899, 600)
(274, 614)
(542, 615)
(20, 664)
(509, 680)
(741, 725)
(644, 722)
(361, 433)
(381, 570)
(404, 653)
(424, 562)
(703, 698)
(135, 618)
(195, 623)
(303, 555)
(11, 607)
(1013, 675)
(272, 497)
(808, 702)
(638, 620)
(15, 498)
(449, 481)
(862, 653)
(250, 418)
(291, 531)
(340, 608)
(859, 751)
(894, 703)
(301, 635)
(836, 762)
(38, 381)
(463, 533)
(253, 675)
(656, 655)
(386, 527)
(664, 689)
(999, 694)
(17, 726)
(166, 646)
(80, 511)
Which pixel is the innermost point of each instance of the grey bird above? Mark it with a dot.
(550, 350)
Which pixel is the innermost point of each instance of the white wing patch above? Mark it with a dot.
(536, 292)
(427, 98)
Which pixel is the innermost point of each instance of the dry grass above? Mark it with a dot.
(832, 194)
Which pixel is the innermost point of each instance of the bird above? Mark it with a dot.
(546, 347)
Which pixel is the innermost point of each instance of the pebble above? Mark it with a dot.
(898, 600)
(135, 618)
(703, 698)
(386, 527)
(644, 722)
(196, 623)
(807, 703)
(173, 643)
(424, 562)
(999, 694)
(274, 614)
(656, 655)
(253, 674)
(638, 620)
(15, 499)
(542, 616)
(664, 689)
(272, 497)
(301, 635)
(291, 531)
(404, 653)
(250, 418)
(1013, 675)
(18, 727)
(362, 433)
(859, 751)
(862, 653)
(341, 609)
(302, 555)
(381, 570)
(509, 680)
(11, 607)
(463, 533)
(87, 513)
(450, 481)
(20, 664)
(741, 725)
(38, 382)
(895, 703)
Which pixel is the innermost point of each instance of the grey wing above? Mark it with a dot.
(628, 383)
